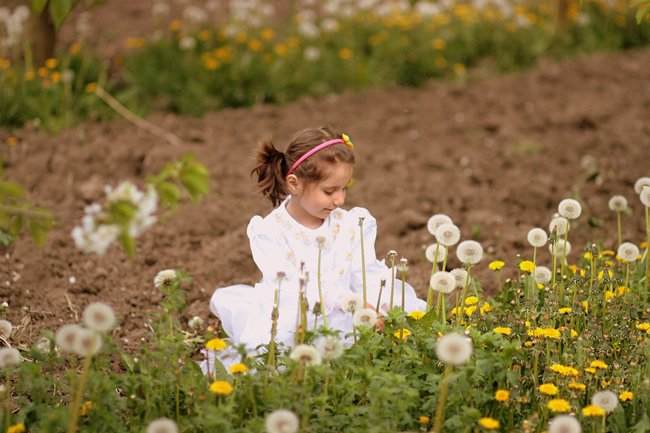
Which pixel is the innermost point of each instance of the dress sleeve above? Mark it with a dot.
(376, 270)
(269, 250)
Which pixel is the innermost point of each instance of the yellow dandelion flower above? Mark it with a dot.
(608, 263)
(626, 396)
(588, 255)
(489, 423)
(496, 265)
(590, 370)
(293, 42)
(551, 333)
(404, 334)
(268, 34)
(577, 386)
(527, 266)
(574, 334)
(643, 326)
(86, 407)
(56, 77)
(175, 25)
(608, 253)
(221, 387)
(241, 38)
(502, 331)
(586, 305)
(460, 69)
(74, 48)
(537, 332)
(424, 419)
(486, 308)
(216, 344)
(527, 323)
(592, 410)
(346, 53)
(528, 343)
(51, 63)
(281, 50)
(42, 72)
(134, 42)
(556, 368)
(16, 428)
(441, 62)
(605, 383)
(471, 300)
(439, 44)
(548, 389)
(565, 310)
(204, 35)
(502, 395)
(91, 87)
(599, 364)
(558, 405)
(11, 141)
(417, 315)
(643, 245)
(255, 45)
(238, 368)
(470, 310)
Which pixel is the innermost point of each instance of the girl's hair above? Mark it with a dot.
(273, 165)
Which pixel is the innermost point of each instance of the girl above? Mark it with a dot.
(309, 182)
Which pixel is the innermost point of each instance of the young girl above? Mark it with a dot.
(309, 182)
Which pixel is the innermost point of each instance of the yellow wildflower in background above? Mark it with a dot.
(221, 387)
(565, 310)
(16, 428)
(601, 273)
(460, 69)
(51, 63)
(608, 253)
(238, 368)
(527, 266)
(439, 44)
(255, 45)
(605, 383)
(424, 419)
(175, 25)
(502, 330)
(627, 395)
(599, 364)
(551, 333)
(502, 395)
(204, 35)
(216, 344)
(528, 343)
(404, 333)
(268, 34)
(417, 315)
(496, 265)
(471, 300)
(592, 410)
(548, 389)
(590, 370)
(470, 310)
(489, 423)
(643, 326)
(281, 50)
(91, 87)
(11, 141)
(346, 53)
(56, 77)
(537, 332)
(486, 308)
(441, 62)
(577, 386)
(86, 407)
(558, 405)
(74, 48)
(134, 42)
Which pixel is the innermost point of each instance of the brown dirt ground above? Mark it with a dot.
(496, 155)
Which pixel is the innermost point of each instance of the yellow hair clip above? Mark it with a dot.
(347, 141)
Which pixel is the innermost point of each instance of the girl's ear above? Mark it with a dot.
(293, 184)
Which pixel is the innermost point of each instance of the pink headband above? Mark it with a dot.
(345, 140)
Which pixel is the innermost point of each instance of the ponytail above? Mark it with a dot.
(270, 170)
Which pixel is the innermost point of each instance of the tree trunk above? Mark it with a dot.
(43, 36)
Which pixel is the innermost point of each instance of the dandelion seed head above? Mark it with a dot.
(448, 234)
(469, 252)
(430, 253)
(9, 357)
(436, 221)
(537, 237)
(606, 400)
(43, 344)
(164, 278)
(570, 208)
(460, 275)
(323, 241)
(443, 282)
(641, 184)
(365, 317)
(87, 343)
(282, 421)
(628, 252)
(5, 328)
(195, 323)
(558, 224)
(351, 302)
(403, 265)
(454, 349)
(618, 203)
(564, 424)
(99, 317)
(329, 347)
(560, 246)
(543, 275)
(66, 336)
(305, 355)
(162, 425)
(645, 196)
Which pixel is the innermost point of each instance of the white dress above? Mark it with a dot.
(279, 244)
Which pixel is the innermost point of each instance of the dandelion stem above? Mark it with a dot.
(433, 271)
(392, 284)
(442, 400)
(647, 256)
(534, 283)
(618, 220)
(8, 400)
(562, 267)
(403, 289)
(74, 415)
(320, 291)
(363, 261)
(459, 308)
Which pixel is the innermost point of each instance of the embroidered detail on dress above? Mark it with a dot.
(287, 224)
(353, 233)
(297, 235)
(281, 234)
(337, 214)
(290, 255)
(295, 264)
(306, 239)
(349, 256)
(342, 272)
(278, 217)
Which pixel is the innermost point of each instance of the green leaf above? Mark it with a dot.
(127, 361)
(16, 225)
(12, 189)
(641, 13)
(169, 194)
(643, 425)
(59, 11)
(513, 377)
(128, 243)
(6, 239)
(38, 232)
(38, 6)
(195, 185)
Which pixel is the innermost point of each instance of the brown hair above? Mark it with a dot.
(273, 165)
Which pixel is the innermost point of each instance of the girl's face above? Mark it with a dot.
(310, 204)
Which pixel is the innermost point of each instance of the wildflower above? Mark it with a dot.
(305, 355)
(599, 364)
(537, 237)
(443, 282)
(5, 328)
(351, 302)
(164, 278)
(607, 253)
(527, 266)
(282, 421)
(454, 349)
(618, 203)
(99, 316)
(311, 54)
(502, 395)
(645, 196)
(502, 331)
(403, 334)
(403, 265)
(66, 336)
(641, 183)
(559, 405)
(625, 396)
(470, 310)
(548, 389)
(460, 275)
(221, 387)
(471, 300)
(590, 370)
(323, 241)
(528, 343)
(195, 323)
(577, 386)
(565, 310)
(569, 209)
(469, 252)
(87, 343)
(643, 326)
(16, 428)
(9, 356)
(606, 400)
(628, 252)
(436, 221)
(238, 368)
(424, 419)
(162, 425)
(496, 265)
(564, 424)
(417, 315)
(561, 247)
(537, 332)
(430, 253)
(592, 410)
(551, 333)
(558, 224)
(365, 317)
(86, 407)
(329, 347)
(489, 423)
(448, 234)
(216, 344)
(346, 53)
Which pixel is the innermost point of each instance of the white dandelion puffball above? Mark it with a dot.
(564, 424)
(560, 247)
(641, 183)
(436, 221)
(305, 355)
(66, 336)
(99, 316)
(329, 347)
(43, 344)
(628, 252)
(9, 356)
(606, 400)
(164, 278)
(543, 275)
(448, 234)
(618, 203)
(351, 302)
(282, 421)
(454, 349)
(403, 265)
(187, 43)
(365, 317)
(569, 208)
(469, 252)
(162, 425)
(537, 237)
(430, 253)
(558, 224)
(195, 323)
(87, 343)
(323, 241)
(460, 275)
(5, 328)
(443, 282)
(645, 196)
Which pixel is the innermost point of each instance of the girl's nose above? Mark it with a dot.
(339, 198)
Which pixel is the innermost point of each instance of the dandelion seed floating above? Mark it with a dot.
(606, 400)
(365, 317)
(454, 349)
(447, 234)
(282, 421)
(305, 355)
(99, 317)
(570, 209)
(162, 425)
(436, 221)
(564, 424)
